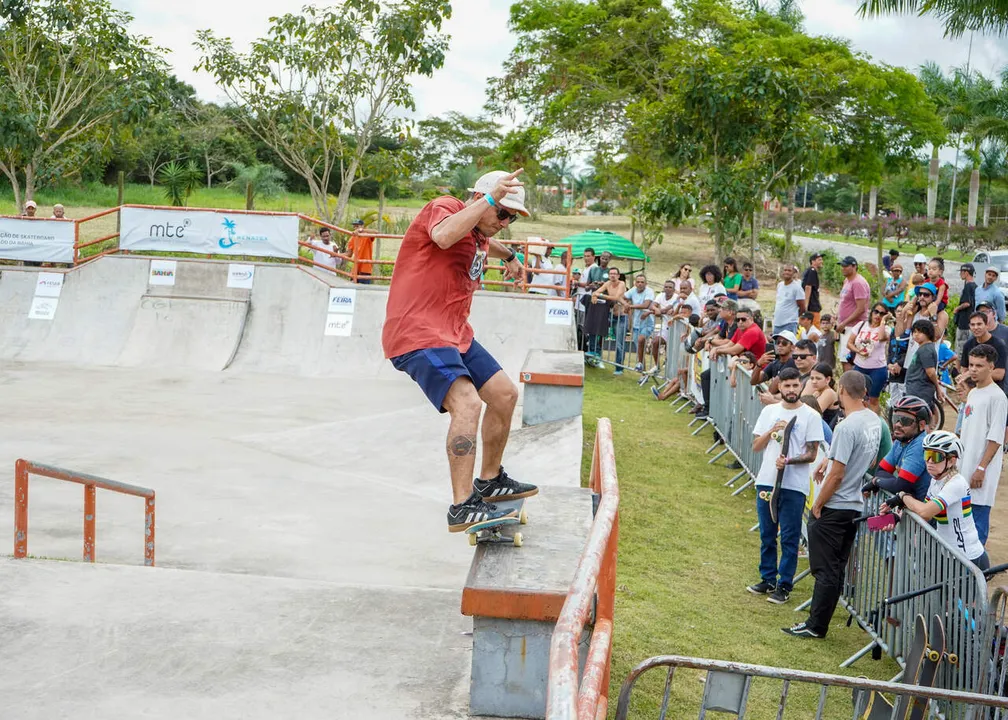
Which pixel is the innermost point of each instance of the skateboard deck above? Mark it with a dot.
(878, 707)
(489, 532)
(785, 442)
(933, 655)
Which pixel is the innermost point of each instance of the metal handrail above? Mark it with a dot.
(567, 695)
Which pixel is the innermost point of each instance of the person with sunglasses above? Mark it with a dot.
(427, 335)
(868, 342)
(948, 504)
(903, 468)
(983, 433)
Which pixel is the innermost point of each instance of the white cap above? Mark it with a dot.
(31, 203)
(513, 200)
(920, 258)
(787, 335)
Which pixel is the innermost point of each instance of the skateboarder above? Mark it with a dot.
(948, 499)
(427, 335)
(795, 460)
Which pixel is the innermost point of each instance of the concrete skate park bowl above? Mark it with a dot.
(302, 568)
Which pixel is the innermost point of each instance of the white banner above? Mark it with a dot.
(37, 240)
(49, 284)
(559, 312)
(241, 276)
(162, 272)
(342, 301)
(339, 325)
(43, 308)
(215, 232)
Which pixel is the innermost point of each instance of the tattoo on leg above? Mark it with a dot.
(462, 445)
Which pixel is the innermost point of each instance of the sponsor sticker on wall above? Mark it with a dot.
(339, 325)
(43, 308)
(559, 312)
(342, 301)
(162, 272)
(49, 284)
(240, 276)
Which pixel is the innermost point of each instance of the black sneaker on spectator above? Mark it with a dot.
(474, 512)
(779, 596)
(762, 588)
(802, 630)
(702, 414)
(503, 487)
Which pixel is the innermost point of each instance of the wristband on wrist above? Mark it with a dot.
(981, 467)
(510, 257)
(489, 199)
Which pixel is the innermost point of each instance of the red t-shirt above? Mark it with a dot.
(752, 339)
(942, 287)
(432, 289)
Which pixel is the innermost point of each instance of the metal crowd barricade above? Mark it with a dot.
(727, 687)
(891, 576)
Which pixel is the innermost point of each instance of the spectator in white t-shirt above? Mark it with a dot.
(983, 435)
(319, 254)
(711, 287)
(790, 302)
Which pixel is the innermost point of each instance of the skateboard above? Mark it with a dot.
(933, 655)
(785, 442)
(878, 707)
(489, 532)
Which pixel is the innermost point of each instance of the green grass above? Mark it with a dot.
(686, 555)
(908, 249)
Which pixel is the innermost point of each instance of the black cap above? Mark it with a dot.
(849, 260)
(814, 256)
(985, 303)
(358, 221)
(968, 267)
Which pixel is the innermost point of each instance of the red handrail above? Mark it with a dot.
(587, 698)
(22, 468)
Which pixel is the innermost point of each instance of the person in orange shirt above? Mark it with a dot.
(361, 248)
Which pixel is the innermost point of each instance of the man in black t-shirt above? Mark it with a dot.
(993, 326)
(965, 309)
(810, 283)
(980, 334)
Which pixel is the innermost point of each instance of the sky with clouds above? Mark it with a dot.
(480, 41)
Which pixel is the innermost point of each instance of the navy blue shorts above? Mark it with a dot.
(435, 369)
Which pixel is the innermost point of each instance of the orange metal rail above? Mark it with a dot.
(24, 468)
(569, 696)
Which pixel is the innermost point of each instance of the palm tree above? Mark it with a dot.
(958, 15)
(993, 168)
(979, 99)
(258, 180)
(938, 88)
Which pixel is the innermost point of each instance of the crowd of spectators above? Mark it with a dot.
(829, 373)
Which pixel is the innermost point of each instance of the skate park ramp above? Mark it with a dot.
(303, 565)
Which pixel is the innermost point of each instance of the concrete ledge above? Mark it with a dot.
(554, 386)
(515, 596)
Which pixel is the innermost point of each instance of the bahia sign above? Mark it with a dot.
(208, 232)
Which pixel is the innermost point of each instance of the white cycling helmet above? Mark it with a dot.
(944, 441)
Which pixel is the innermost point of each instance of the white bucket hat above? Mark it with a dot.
(514, 200)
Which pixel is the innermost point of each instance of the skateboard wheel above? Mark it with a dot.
(517, 539)
(933, 655)
(523, 518)
(472, 539)
(953, 658)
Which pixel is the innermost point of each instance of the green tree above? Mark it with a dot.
(959, 16)
(455, 140)
(179, 181)
(323, 82)
(388, 165)
(258, 180)
(70, 71)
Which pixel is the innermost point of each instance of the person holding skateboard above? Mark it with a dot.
(788, 434)
(948, 502)
(427, 335)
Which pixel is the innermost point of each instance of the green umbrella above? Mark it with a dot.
(603, 240)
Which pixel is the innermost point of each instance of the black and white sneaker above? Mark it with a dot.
(802, 630)
(779, 596)
(503, 487)
(762, 588)
(473, 513)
